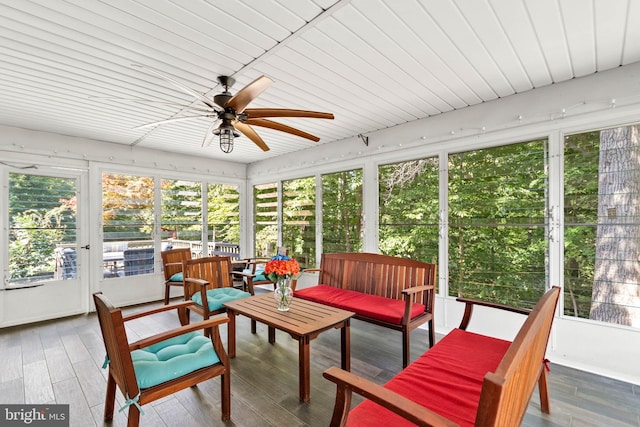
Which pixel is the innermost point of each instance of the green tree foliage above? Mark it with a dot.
(265, 231)
(34, 237)
(181, 209)
(581, 154)
(408, 209)
(42, 213)
(299, 220)
(498, 223)
(224, 213)
(342, 211)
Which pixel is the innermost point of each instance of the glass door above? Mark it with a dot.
(44, 253)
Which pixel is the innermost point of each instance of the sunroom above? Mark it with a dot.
(513, 169)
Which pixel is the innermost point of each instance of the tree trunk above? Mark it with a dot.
(616, 294)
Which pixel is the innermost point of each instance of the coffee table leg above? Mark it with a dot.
(272, 334)
(304, 369)
(345, 344)
(231, 334)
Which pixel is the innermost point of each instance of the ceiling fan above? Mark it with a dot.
(231, 115)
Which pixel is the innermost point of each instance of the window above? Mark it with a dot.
(181, 211)
(128, 224)
(497, 223)
(602, 225)
(342, 211)
(299, 220)
(224, 213)
(408, 209)
(42, 228)
(265, 214)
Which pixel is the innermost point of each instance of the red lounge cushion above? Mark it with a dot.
(372, 306)
(446, 379)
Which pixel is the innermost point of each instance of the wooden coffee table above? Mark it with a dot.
(304, 322)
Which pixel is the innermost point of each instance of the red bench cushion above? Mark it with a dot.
(372, 306)
(447, 379)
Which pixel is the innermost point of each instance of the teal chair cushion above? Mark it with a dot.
(217, 297)
(259, 274)
(176, 278)
(172, 358)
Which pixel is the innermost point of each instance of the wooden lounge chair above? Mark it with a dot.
(143, 376)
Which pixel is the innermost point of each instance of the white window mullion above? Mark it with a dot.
(318, 219)
(443, 235)
(370, 210)
(556, 207)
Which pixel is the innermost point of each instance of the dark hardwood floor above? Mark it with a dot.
(60, 362)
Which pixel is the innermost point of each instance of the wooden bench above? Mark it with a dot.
(466, 379)
(396, 293)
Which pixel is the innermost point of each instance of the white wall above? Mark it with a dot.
(600, 100)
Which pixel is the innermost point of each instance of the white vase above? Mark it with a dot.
(283, 294)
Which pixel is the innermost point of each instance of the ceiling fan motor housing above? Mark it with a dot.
(222, 98)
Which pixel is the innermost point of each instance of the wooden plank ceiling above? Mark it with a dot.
(373, 63)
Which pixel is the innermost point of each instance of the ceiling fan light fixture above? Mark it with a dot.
(227, 134)
(226, 141)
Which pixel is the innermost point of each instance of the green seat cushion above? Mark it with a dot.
(172, 358)
(176, 278)
(217, 297)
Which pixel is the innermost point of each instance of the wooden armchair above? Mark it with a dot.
(208, 282)
(172, 262)
(142, 377)
(255, 268)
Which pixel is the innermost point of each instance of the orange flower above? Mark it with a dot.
(279, 268)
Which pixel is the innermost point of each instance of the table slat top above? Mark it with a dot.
(304, 317)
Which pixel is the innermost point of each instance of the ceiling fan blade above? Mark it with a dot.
(282, 128)
(248, 93)
(174, 119)
(251, 134)
(284, 112)
(208, 137)
(208, 102)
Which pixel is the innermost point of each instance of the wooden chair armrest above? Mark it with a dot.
(408, 297)
(470, 303)
(311, 270)
(199, 282)
(416, 289)
(177, 305)
(347, 383)
(206, 324)
(243, 274)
